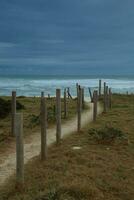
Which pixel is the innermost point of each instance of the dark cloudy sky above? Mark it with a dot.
(67, 36)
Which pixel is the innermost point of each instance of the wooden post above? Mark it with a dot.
(13, 112)
(68, 91)
(58, 116)
(79, 108)
(65, 103)
(91, 96)
(105, 98)
(110, 98)
(19, 150)
(77, 90)
(42, 94)
(43, 119)
(83, 103)
(95, 99)
(99, 88)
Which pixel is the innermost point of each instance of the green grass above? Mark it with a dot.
(97, 171)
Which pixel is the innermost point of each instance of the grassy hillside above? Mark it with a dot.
(31, 114)
(102, 169)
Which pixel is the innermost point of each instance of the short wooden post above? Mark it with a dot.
(43, 119)
(58, 115)
(19, 150)
(65, 103)
(13, 112)
(95, 99)
(99, 88)
(79, 108)
(105, 98)
(110, 98)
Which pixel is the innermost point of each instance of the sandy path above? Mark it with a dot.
(32, 145)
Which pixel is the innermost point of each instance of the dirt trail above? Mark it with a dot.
(32, 145)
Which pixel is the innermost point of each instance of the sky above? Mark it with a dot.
(73, 37)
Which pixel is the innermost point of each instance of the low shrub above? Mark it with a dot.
(5, 107)
(107, 134)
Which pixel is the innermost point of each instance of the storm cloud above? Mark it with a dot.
(72, 36)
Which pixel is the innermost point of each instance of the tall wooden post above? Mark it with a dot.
(79, 108)
(95, 99)
(65, 103)
(100, 88)
(58, 116)
(43, 119)
(13, 112)
(105, 98)
(19, 150)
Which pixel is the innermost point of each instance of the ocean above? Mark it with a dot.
(33, 85)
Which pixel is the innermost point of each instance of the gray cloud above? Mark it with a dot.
(91, 34)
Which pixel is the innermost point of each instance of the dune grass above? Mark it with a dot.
(95, 171)
(31, 113)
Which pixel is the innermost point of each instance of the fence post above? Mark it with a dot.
(90, 93)
(105, 98)
(79, 109)
(99, 88)
(95, 99)
(65, 103)
(19, 150)
(13, 112)
(110, 98)
(42, 94)
(43, 119)
(58, 115)
(83, 103)
(77, 89)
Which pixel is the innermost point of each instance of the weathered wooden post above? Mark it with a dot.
(105, 98)
(65, 103)
(13, 112)
(83, 101)
(77, 89)
(43, 120)
(90, 93)
(79, 109)
(42, 94)
(95, 100)
(68, 92)
(99, 88)
(19, 150)
(58, 115)
(110, 98)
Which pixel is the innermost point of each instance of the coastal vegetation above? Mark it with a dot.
(95, 164)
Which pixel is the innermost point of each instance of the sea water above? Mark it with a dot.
(33, 85)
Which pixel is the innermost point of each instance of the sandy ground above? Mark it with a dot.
(32, 144)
